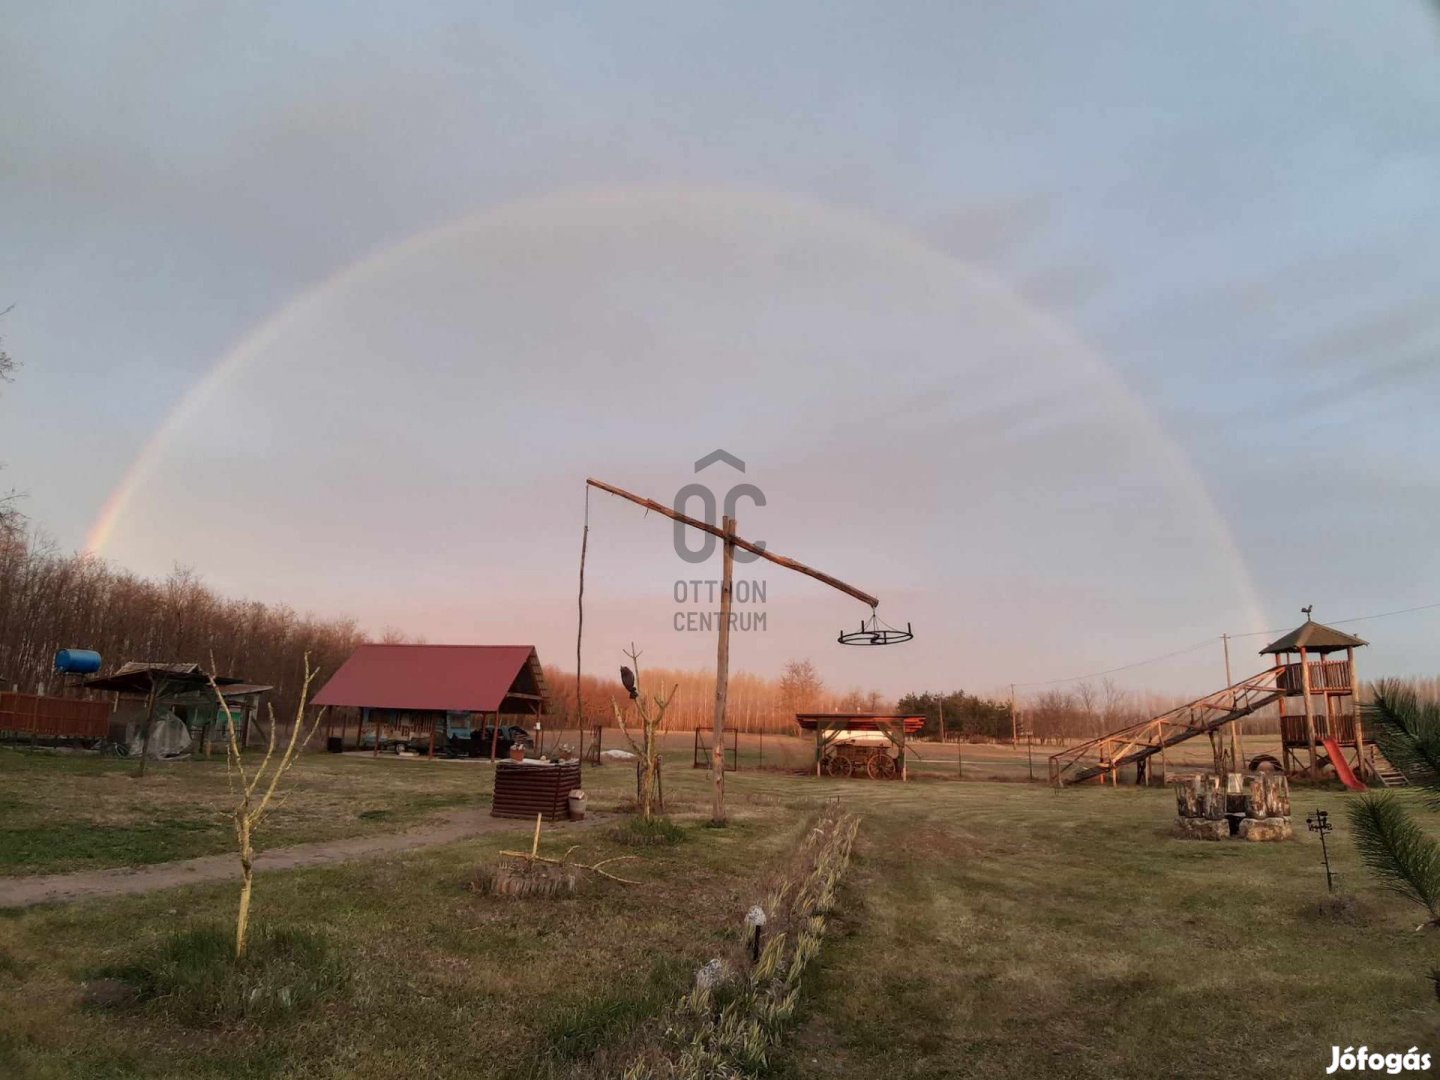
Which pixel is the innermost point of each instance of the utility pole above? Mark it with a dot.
(1014, 729)
(722, 651)
(1237, 745)
(940, 703)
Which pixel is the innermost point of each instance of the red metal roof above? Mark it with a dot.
(460, 678)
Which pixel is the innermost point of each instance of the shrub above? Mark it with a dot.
(194, 976)
(645, 832)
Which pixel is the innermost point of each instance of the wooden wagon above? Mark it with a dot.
(860, 744)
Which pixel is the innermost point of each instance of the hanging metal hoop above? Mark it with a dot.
(873, 632)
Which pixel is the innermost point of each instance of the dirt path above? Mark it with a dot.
(208, 869)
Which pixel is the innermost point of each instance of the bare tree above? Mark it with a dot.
(652, 715)
(9, 516)
(255, 792)
(800, 686)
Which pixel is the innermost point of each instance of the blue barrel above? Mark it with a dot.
(77, 662)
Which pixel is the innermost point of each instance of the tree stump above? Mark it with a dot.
(1277, 795)
(1265, 829)
(1254, 796)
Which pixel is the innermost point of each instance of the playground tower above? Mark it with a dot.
(1329, 691)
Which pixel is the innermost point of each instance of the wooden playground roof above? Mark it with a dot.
(1313, 637)
(860, 721)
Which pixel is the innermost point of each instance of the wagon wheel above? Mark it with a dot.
(838, 766)
(880, 767)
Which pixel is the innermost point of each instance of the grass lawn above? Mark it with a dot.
(983, 930)
(62, 812)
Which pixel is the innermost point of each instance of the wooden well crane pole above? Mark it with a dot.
(727, 534)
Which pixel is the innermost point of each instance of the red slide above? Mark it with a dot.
(1342, 767)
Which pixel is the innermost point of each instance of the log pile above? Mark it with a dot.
(1248, 806)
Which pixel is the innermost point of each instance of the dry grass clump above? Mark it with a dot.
(647, 832)
(194, 977)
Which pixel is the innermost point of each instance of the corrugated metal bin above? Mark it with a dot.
(524, 790)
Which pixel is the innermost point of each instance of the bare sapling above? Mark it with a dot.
(255, 792)
(651, 710)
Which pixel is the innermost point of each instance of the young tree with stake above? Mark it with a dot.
(256, 792)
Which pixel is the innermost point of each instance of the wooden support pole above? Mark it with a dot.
(722, 675)
(1309, 712)
(433, 721)
(151, 702)
(904, 767)
(1355, 711)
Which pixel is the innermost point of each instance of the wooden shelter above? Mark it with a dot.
(145, 688)
(433, 691)
(860, 744)
(1328, 691)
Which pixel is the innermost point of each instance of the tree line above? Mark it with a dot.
(754, 703)
(51, 601)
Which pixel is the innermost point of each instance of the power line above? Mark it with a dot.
(1124, 667)
(1211, 641)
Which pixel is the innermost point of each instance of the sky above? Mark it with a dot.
(1077, 334)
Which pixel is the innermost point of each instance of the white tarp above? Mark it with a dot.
(169, 737)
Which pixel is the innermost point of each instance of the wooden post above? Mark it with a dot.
(1309, 712)
(1237, 744)
(904, 773)
(1355, 709)
(494, 735)
(940, 702)
(376, 724)
(722, 675)
(150, 703)
(433, 721)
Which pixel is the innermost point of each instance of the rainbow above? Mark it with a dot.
(540, 211)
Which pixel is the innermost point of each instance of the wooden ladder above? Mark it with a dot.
(1388, 775)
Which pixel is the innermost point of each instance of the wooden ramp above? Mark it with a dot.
(1105, 755)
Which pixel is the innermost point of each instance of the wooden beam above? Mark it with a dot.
(754, 549)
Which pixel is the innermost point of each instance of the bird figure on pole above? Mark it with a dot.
(628, 678)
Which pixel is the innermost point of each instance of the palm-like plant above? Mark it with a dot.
(1391, 844)
(1408, 732)
(1397, 851)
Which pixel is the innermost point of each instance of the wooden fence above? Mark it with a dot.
(52, 717)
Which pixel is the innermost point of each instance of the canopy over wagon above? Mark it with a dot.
(863, 744)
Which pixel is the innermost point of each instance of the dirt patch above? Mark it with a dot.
(446, 828)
